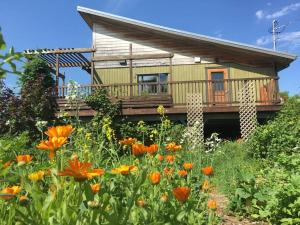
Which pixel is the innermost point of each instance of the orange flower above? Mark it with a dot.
(80, 170)
(205, 185)
(138, 149)
(170, 158)
(9, 192)
(140, 202)
(155, 177)
(212, 204)
(152, 148)
(209, 170)
(52, 145)
(182, 173)
(188, 166)
(124, 169)
(181, 193)
(60, 131)
(173, 147)
(24, 158)
(168, 171)
(7, 164)
(160, 157)
(23, 200)
(95, 188)
(128, 141)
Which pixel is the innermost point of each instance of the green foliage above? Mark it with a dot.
(8, 59)
(279, 135)
(272, 193)
(34, 69)
(10, 146)
(100, 102)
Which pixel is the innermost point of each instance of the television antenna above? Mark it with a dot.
(275, 30)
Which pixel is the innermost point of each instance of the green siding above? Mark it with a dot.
(183, 73)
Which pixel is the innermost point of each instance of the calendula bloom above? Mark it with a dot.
(80, 170)
(138, 149)
(36, 176)
(140, 202)
(59, 131)
(24, 158)
(173, 147)
(164, 197)
(95, 188)
(181, 193)
(168, 171)
(205, 185)
(182, 173)
(188, 166)
(52, 145)
(7, 164)
(212, 204)
(124, 169)
(128, 141)
(160, 157)
(207, 170)
(23, 200)
(154, 177)
(170, 158)
(9, 192)
(152, 149)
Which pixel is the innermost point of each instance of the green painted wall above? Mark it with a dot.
(182, 73)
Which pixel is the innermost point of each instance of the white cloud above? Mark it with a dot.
(117, 6)
(218, 33)
(287, 41)
(260, 14)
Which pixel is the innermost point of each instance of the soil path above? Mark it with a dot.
(227, 218)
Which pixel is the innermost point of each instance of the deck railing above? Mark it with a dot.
(213, 92)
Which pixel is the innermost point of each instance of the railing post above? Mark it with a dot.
(130, 70)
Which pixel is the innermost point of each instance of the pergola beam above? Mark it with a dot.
(132, 57)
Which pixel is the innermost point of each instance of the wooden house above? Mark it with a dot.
(147, 65)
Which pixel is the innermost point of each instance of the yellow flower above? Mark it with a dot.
(161, 109)
(60, 131)
(128, 141)
(205, 185)
(173, 147)
(124, 169)
(36, 176)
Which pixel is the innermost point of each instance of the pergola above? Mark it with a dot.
(64, 57)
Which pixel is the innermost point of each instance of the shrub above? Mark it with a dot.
(100, 102)
(280, 135)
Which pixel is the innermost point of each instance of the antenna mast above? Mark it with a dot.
(275, 30)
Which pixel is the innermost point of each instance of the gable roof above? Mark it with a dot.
(222, 49)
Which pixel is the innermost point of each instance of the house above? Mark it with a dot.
(147, 65)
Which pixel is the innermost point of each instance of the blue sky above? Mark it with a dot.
(56, 24)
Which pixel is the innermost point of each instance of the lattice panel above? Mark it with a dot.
(247, 109)
(195, 119)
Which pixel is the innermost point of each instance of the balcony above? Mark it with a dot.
(222, 95)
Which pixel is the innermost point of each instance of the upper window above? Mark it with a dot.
(153, 83)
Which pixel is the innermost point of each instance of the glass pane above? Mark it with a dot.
(163, 78)
(217, 81)
(149, 78)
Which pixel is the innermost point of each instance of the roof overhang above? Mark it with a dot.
(212, 47)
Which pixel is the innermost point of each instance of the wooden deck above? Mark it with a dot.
(218, 96)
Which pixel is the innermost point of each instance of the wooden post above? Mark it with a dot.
(130, 70)
(57, 73)
(63, 85)
(170, 74)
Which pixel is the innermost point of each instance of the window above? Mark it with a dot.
(217, 79)
(153, 83)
